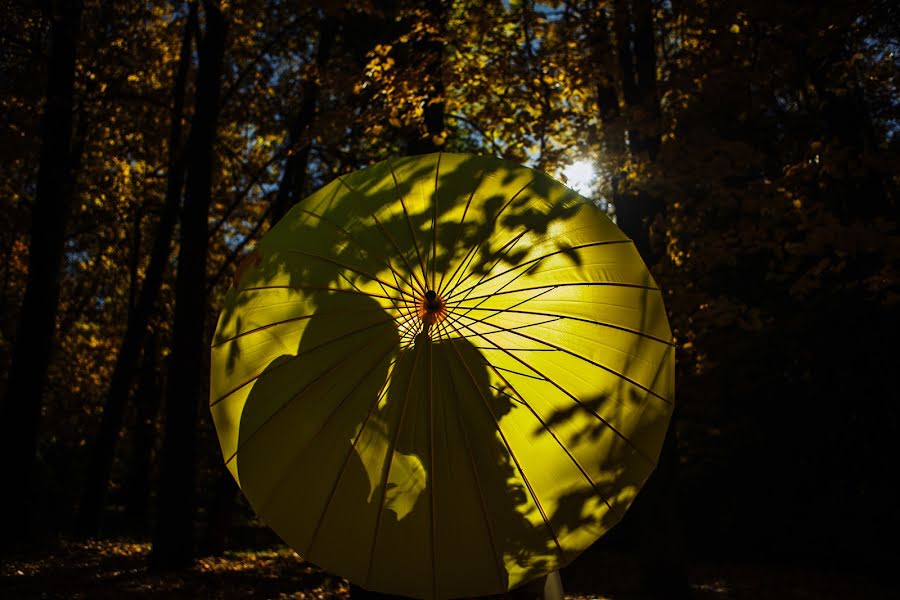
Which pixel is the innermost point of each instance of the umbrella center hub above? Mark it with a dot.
(432, 308)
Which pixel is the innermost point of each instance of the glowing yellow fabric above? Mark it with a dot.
(447, 444)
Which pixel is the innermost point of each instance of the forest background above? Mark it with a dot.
(750, 149)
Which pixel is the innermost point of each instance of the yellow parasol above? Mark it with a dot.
(442, 376)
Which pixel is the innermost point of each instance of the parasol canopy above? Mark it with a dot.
(442, 376)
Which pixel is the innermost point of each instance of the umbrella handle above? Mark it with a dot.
(553, 589)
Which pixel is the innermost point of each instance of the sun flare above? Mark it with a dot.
(580, 176)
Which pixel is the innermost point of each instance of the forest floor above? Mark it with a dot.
(118, 569)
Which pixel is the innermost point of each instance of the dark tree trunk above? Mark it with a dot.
(293, 180)
(20, 414)
(220, 508)
(173, 534)
(103, 451)
(637, 61)
(655, 511)
(147, 399)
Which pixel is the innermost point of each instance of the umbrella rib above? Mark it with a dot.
(345, 266)
(456, 320)
(460, 227)
(540, 258)
(291, 320)
(356, 287)
(587, 360)
(388, 237)
(580, 403)
(389, 459)
(487, 236)
(307, 352)
(456, 317)
(331, 414)
(500, 311)
(334, 487)
(349, 236)
(482, 503)
(432, 466)
(512, 454)
(485, 299)
(504, 250)
(434, 203)
(573, 284)
(503, 392)
(544, 424)
(408, 222)
(302, 391)
(316, 288)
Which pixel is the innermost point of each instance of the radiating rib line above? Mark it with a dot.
(409, 315)
(585, 359)
(545, 425)
(434, 219)
(491, 227)
(378, 397)
(387, 471)
(508, 328)
(299, 454)
(581, 404)
(356, 287)
(501, 572)
(344, 266)
(572, 284)
(350, 236)
(386, 235)
(456, 317)
(489, 236)
(459, 227)
(501, 311)
(512, 454)
(412, 231)
(432, 466)
(293, 398)
(318, 288)
(504, 251)
(291, 320)
(510, 370)
(390, 238)
(485, 299)
(406, 304)
(540, 258)
(304, 354)
(502, 392)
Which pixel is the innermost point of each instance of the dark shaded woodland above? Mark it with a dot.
(751, 151)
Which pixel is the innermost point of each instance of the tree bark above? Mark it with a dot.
(659, 537)
(173, 535)
(147, 399)
(103, 451)
(34, 340)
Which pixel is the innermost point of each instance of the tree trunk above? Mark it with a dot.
(21, 409)
(173, 534)
(655, 510)
(103, 451)
(137, 484)
(290, 191)
(220, 508)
